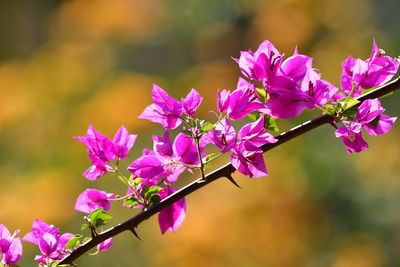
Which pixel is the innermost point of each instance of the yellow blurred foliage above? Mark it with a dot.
(44, 195)
(99, 19)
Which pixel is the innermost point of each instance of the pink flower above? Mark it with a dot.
(352, 137)
(123, 142)
(10, 246)
(105, 245)
(248, 159)
(101, 150)
(243, 100)
(370, 115)
(171, 217)
(191, 102)
(255, 133)
(223, 136)
(92, 199)
(166, 110)
(365, 74)
(49, 241)
(223, 100)
(148, 166)
(369, 110)
(296, 67)
(260, 64)
(383, 125)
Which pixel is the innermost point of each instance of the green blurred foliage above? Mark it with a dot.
(67, 64)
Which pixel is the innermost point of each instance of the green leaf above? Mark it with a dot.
(253, 116)
(93, 215)
(348, 113)
(343, 104)
(152, 191)
(207, 127)
(144, 191)
(270, 123)
(187, 132)
(84, 226)
(154, 199)
(330, 110)
(98, 217)
(261, 92)
(132, 202)
(211, 157)
(105, 216)
(72, 242)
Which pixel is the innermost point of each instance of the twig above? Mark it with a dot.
(224, 171)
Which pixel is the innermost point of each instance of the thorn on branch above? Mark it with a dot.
(229, 177)
(333, 125)
(135, 233)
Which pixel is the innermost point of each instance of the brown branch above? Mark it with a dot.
(224, 171)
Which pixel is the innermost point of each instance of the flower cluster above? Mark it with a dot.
(273, 88)
(10, 246)
(370, 117)
(50, 242)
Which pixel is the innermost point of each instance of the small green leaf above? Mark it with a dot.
(152, 191)
(84, 226)
(270, 123)
(132, 202)
(187, 132)
(154, 199)
(329, 109)
(192, 122)
(93, 215)
(343, 104)
(72, 242)
(261, 92)
(253, 116)
(211, 157)
(207, 127)
(144, 191)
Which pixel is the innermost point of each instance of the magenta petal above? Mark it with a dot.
(384, 125)
(288, 105)
(243, 100)
(223, 100)
(47, 244)
(248, 159)
(162, 146)
(92, 199)
(5, 239)
(191, 102)
(165, 102)
(105, 245)
(147, 167)
(93, 173)
(296, 66)
(369, 110)
(255, 133)
(223, 136)
(123, 142)
(185, 149)
(38, 229)
(171, 217)
(14, 252)
(352, 137)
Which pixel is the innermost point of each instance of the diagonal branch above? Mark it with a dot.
(224, 171)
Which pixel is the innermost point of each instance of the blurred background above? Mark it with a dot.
(67, 64)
